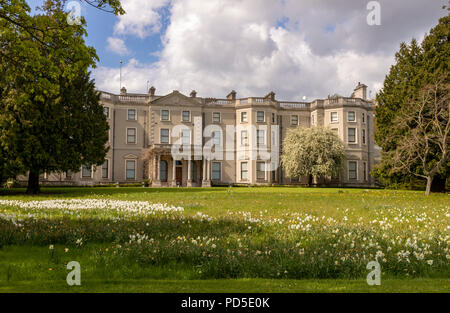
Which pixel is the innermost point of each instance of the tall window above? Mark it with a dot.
(186, 116)
(105, 169)
(260, 116)
(260, 137)
(294, 119)
(216, 170)
(131, 169)
(216, 117)
(131, 114)
(216, 138)
(351, 116)
(131, 135)
(363, 136)
(106, 111)
(352, 170)
(163, 171)
(260, 170)
(364, 117)
(244, 170)
(193, 171)
(365, 171)
(186, 137)
(164, 135)
(86, 171)
(273, 118)
(244, 138)
(352, 135)
(165, 116)
(244, 118)
(334, 117)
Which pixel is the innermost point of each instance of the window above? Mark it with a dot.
(365, 171)
(131, 114)
(216, 170)
(163, 171)
(260, 116)
(131, 135)
(165, 115)
(244, 138)
(352, 135)
(273, 118)
(105, 169)
(260, 170)
(334, 117)
(244, 117)
(193, 171)
(244, 170)
(363, 136)
(186, 137)
(216, 117)
(131, 169)
(69, 175)
(260, 137)
(352, 171)
(216, 138)
(186, 116)
(364, 117)
(351, 116)
(294, 119)
(106, 111)
(86, 171)
(164, 136)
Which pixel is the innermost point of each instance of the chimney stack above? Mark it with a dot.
(123, 91)
(232, 95)
(151, 91)
(193, 94)
(360, 91)
(271, 96)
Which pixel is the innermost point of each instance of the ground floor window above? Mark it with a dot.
(193, 171)
(163, 171)
(244, 170)
(86, 171)
(105, 169)
(216, 170)
(131, 169)
(352, 170)
(365, 171)
(260, 170)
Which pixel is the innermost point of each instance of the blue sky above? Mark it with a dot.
(307, 48)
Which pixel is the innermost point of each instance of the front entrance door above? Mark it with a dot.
(179, 175)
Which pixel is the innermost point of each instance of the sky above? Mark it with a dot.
(300, 49)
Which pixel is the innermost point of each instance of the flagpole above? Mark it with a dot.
(120, 75)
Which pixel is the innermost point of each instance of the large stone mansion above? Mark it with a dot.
(141, 138)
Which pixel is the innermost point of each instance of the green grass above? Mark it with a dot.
(27, 264)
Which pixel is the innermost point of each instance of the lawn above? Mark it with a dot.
(278, 239)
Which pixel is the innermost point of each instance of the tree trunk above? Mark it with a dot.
(438, 184)
(33, 182)
(429, 181)
(310, 180)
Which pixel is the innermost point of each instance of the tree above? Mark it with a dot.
(416, 67)
(424, 149)
(312, 152)
(50, 117)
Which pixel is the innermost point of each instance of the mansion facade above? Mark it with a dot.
(141, 139)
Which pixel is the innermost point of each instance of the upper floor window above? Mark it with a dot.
(352, 170)
(165, 115)
(216, 117)
(352, 135)
(260, 116)
(131, 135)
(186, 116)
(364, 117)
(363, 136)
(131, 114)
(186, 137)
(216, 170)
(131, 169)
(334, 117)
(244, 138)
(106, 111)
(351, 116)
(294, 119)
(216, 138)
(244, 118)
(260, 137)
(273, 118)
(164, 136)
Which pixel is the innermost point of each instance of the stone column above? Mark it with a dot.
(206, 173)
(174, 173)
(189, 169)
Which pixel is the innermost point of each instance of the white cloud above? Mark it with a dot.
(216, 45)
(117, 45)
(141, 19)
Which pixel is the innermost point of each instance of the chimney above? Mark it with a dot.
(123, 91)
(271, 96)
(151, 91)
(360, 91)
(232, 95)
(193, 94)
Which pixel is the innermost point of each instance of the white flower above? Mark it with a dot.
(430, 262)
(51, 247)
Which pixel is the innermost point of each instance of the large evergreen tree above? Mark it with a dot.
(416, 67)
(50, 117)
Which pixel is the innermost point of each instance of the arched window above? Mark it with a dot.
(163, 171)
